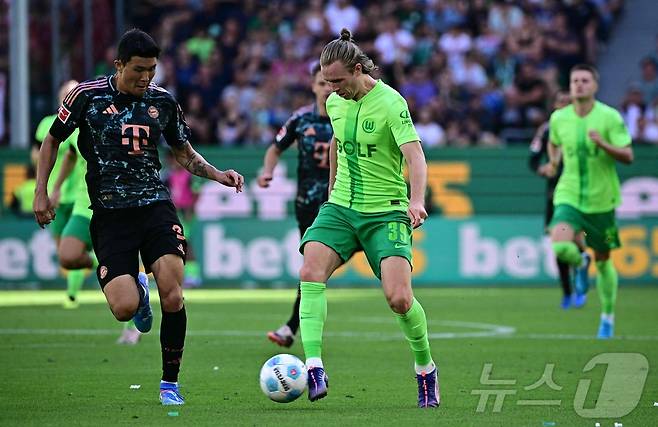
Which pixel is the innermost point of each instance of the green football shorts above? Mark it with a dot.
(600, 228)
(62, 216)
(78, 227)
(346, 231)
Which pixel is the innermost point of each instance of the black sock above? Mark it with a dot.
(565, 278)
(172, 341)
(293, 323)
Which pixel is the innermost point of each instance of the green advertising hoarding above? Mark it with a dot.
(483, 251)
(485, 227)
(463, 182)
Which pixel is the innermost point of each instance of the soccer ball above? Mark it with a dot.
(283, 378)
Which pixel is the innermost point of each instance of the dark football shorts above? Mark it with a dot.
(119, 236)
(305, 217)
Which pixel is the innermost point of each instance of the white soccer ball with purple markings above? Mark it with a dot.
(283, 378)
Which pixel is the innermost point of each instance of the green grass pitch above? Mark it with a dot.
(62, 367)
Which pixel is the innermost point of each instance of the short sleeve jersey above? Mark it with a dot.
(67, 191)
(312, 132)
(369, 133)
(118, 138)
(589, 180)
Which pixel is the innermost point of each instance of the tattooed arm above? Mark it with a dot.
(194, 162)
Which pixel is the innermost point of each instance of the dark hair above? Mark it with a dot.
(136, 42)
(344, 49)
(586, 67)
(314, 68)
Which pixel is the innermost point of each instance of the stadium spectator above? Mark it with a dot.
(257, 45)
(526, 98)
(341, 13)
(649, 83)
(431, 133)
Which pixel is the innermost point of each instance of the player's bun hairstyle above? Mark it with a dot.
(136, 42)
(586, 67)
(344, 49)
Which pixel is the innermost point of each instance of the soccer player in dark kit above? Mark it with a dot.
(121, 119)
(310, 127)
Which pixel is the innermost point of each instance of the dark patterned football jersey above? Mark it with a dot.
(119, 136)
(313, 134)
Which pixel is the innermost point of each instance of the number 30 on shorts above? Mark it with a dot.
(398, 232)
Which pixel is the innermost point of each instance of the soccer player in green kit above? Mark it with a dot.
(63, 191)
(368, 208)
(588, 137)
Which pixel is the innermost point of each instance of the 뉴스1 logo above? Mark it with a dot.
(63, 114)
(368, 126)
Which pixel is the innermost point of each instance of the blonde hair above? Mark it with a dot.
(344, 49)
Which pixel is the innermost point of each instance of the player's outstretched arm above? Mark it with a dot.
(68, 163)
(44, 211)
(270, 161)
(194, 162)
(413, 154)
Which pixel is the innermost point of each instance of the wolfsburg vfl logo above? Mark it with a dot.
(368, 126)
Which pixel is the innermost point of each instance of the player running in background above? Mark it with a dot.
(537, 163)
(588, 136)
(62, 189)
(121, 118)
(74, 249)
(311, 129)
(368, 208)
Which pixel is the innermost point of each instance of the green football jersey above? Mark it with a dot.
(589, 180)
(67, 192)
(369, 133)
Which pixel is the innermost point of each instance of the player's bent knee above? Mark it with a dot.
(124, 310)
(172, 301)
(311, 273)
(71, 259)
(399, 303)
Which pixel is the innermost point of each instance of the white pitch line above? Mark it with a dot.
(504, 332)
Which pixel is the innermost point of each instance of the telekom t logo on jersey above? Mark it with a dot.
(138, 134)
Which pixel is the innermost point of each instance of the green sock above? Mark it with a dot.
(567, 252)
(414, 326)
(74, 281)
(606, 284)
(312, 314)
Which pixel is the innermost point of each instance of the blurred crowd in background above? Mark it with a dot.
(477, 72)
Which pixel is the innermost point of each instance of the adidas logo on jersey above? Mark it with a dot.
(111, 110)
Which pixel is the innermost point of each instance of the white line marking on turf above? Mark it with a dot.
(495, 331)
